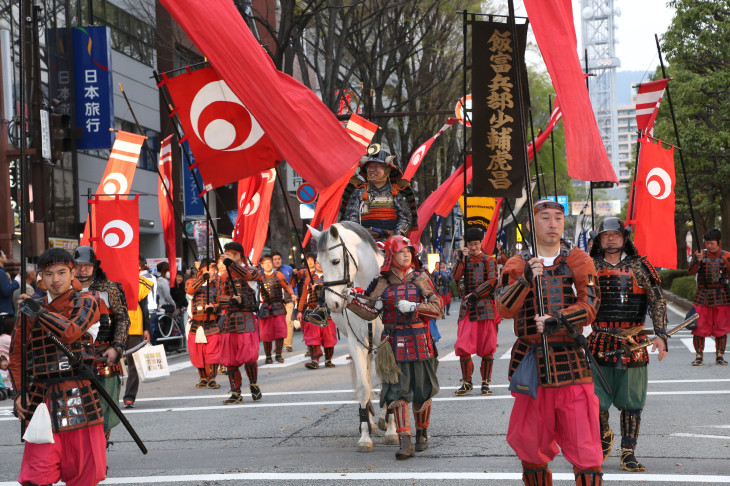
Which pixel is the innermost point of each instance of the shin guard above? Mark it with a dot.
(315, 352)
(720, 344)
(486, 367)
(402, 416)
(234, 376)
(202, 374)
(279, 346)
(630, 425)
(328, 353)
(267, 348)
(422, 415)
(588, 477)
(212, 371)
(252, 371)
(536, 474)
(467, 368)
(699, 344)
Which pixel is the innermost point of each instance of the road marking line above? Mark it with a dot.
(449, 357)
(460, 475)
(701, 436)
(351, 401)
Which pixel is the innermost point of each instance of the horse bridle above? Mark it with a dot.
(345, 280)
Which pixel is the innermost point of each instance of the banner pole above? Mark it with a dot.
(467, 119)
(590, 183)
(676, 135)
(552, 147)
(530, 216)
(534, 156)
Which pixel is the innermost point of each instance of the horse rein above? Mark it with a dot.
(345, 280)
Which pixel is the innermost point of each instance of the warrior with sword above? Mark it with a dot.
(629, 286)
(77, 454)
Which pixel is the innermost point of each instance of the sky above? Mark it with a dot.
(639, 21)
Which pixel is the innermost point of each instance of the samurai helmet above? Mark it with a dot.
(85, 254)
(376, 154)
(612, 224)
(393, 245)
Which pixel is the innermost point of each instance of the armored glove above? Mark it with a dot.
(406, 306)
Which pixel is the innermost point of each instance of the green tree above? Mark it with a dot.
(698, 55)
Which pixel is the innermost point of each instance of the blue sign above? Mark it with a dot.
(93, 87)
(194, 208)
(561, 200)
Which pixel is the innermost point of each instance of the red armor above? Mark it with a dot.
(567, 359)
(272, 295)
(313, 292)
(623, 306)
(407, 333)
(238, 317)
(73, 403)
(479, 275)
(203, 296)
(712, 277)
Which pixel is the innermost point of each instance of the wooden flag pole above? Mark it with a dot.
(538, 287)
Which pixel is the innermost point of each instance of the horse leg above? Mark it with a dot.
(361, 383)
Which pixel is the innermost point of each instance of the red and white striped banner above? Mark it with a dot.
(421, 151)
(648, 99)
(119, 173)
(361, 130)
(164, 202)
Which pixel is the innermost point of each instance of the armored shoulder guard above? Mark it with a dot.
(404, 186)
(650, 271)
(355, 182)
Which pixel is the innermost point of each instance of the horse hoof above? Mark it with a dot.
(365, 448)
(383, 425)
(392, 439)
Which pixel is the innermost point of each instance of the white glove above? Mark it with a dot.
(406, 306)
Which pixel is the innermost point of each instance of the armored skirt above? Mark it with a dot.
(416, 384)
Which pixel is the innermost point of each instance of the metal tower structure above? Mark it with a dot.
(598, 29)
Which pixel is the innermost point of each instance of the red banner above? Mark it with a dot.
(552, 24)
(119, 173)
(167, 211)
(226, 140)
(304, 130)
(361, 130)
(252, 224)
(443, 199)
(653, 220)
(420, 153)
(490, 237)
(116, 222)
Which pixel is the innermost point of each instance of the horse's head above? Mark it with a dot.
(349, 257)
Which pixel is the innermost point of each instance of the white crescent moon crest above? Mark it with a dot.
(253, 205)
(418, 155)
(658, 183)
(164, 185)
(220, 134)
(117, 234)
(114, 183)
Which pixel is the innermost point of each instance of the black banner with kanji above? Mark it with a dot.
(498, 144)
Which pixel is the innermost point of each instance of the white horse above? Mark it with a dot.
(350, 258)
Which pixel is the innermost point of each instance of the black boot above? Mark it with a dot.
(421, 439)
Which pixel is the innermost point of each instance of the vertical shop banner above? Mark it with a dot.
(194, 207)
(117, 243)
(499, 145)
(92, 54)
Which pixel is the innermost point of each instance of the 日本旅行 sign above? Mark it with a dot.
(93, 87)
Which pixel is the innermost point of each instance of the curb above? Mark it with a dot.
(680, 302)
